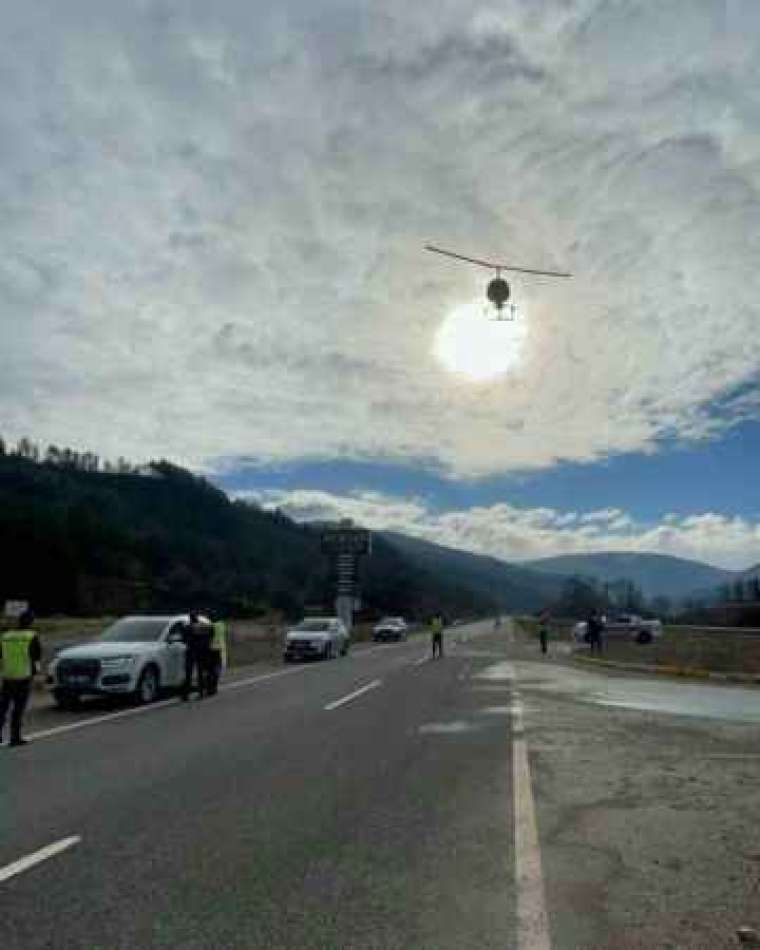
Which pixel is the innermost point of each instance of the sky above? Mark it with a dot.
(213, 219)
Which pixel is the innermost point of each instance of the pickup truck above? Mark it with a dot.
(623, 627)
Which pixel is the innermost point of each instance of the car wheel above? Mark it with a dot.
(64, 700)
(148, 686)
(644, 637)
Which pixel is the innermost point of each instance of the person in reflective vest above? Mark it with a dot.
(436, 629)
(21, 652)
(217, 659)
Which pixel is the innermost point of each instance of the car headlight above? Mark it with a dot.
(117, 662)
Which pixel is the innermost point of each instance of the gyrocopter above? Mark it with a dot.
(498, 290)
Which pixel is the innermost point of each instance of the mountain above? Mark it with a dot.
(507, 586)
(83, 541)
(655, 574)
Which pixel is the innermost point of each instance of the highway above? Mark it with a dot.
(490, 799)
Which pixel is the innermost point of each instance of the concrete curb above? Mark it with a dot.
(689, 672)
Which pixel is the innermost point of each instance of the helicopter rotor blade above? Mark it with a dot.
(529, 270)
(492, 266)
(462, 257)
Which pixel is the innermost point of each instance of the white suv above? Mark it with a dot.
(136, 656)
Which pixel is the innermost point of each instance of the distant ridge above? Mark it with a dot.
(508, 586)
(657, 575)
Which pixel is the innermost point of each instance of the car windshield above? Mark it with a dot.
(314, 625)
(133, 630)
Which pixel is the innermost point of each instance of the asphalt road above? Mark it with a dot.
(491, 799)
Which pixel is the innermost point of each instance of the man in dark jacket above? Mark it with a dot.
(197, 639)
(543, 630)
(21, 654)
(594, 631)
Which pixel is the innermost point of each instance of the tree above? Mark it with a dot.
(26, 449)
(580, 595)
(662, 606)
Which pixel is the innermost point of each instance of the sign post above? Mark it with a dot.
(345, 543)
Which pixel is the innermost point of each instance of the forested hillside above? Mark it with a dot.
(81, 540)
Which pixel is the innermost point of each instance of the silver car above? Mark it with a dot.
(390, 628)
(316, 638)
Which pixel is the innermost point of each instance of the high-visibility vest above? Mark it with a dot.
(436, 625)
(219, 639)
(17, 664)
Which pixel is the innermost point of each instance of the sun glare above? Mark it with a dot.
(471, 344)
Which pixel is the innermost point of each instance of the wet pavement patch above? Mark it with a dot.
(447, 728)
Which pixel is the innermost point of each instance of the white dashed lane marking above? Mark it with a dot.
(31, 860)
(347, 699)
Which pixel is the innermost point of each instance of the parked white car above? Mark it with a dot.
(390, 628)
(316, 638)
(623, 627)
(136, 656)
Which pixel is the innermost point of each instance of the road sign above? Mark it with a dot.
(14, 608)
(340, 539)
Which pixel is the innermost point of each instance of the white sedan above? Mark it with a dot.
(136, 656)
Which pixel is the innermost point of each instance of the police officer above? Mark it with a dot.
(21, 652)
(197, 648)
(436, 629)
(217, 658)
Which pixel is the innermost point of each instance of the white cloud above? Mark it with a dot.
(212, 220)
(515, 534)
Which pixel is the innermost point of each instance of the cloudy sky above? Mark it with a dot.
(213, 218)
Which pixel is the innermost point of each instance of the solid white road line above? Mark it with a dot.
(124, 713)
(23, 864)
(252, 680)
(422, 659)
(532, 917)
(96, 720)
(347, 699)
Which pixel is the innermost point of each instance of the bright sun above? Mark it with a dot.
(479, 348)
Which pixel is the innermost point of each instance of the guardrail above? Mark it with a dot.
(739, 631)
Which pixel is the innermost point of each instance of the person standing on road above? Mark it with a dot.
(197, 650)
(543, 630)
(594, 631)
(217, 658)
(21, 653)
(436, 629)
